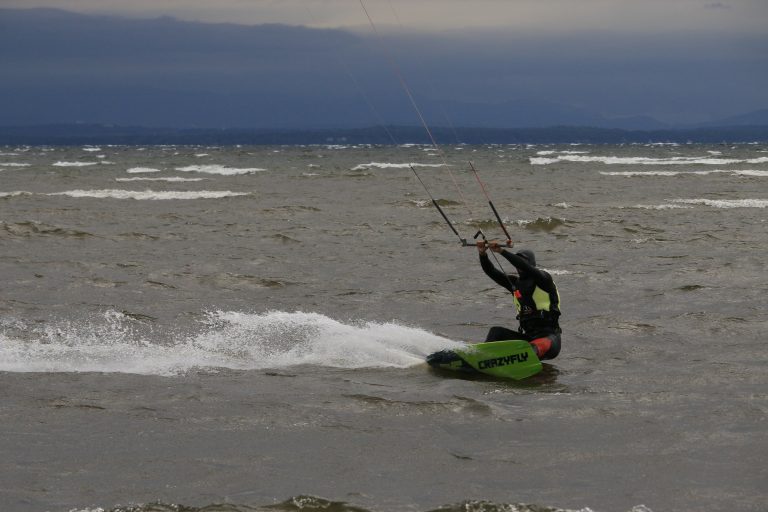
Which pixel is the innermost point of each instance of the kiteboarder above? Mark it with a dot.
(536, 300)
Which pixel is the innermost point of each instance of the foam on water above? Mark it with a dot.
(171, 179)
(714, 203)
(116, 343)
(659, 207)
(726, 203)
(219, 169)
(149, 194)
(74, 164)
(630, 174)
(552, 152)
(636, 160)
(389, 165)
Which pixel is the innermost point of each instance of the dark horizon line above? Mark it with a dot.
(65, 134)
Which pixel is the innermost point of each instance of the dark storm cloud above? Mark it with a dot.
(61, 66)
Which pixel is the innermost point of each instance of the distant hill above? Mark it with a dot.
(61, 67)
(756, 118)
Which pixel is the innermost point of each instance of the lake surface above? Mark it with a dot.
(247, 326)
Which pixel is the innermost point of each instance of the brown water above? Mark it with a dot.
(258, 334)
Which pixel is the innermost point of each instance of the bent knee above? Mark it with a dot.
(546, 347)
(541, 346)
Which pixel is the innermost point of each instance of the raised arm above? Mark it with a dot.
(494, 273)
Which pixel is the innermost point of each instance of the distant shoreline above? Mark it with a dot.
(81, 134)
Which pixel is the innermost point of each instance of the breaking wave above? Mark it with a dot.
(726, 203)
(388, 165)
(171, 179)
(637, 160)
(219, 169)
(546, 225)
(630, 174)
(715, 203)
(149, 194)
(139, 195)
(118, 343)
(74, 164)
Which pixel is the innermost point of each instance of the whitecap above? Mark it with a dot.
(726, 203)
(564, 152)
(638, 160)
(149, 194)
(74, 164)
(388, 165)
(660, 206)
(172, 179)
(219, 169)
(14, 164)
(746, 172)
(630, 174)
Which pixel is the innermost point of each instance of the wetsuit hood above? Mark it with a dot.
(528, 256)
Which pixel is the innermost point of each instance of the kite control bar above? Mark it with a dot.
(480, 233)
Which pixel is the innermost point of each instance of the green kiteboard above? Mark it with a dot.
(514, 359)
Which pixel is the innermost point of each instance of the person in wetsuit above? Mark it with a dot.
(536, 299)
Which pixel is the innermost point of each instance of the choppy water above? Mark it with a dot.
(244, 329)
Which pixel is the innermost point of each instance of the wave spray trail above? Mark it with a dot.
(234, 340)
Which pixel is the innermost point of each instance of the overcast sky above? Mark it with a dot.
(565, 61)
(645, 16)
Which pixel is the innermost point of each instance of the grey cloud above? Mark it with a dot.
(65, 67)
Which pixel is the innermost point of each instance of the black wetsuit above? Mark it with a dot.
(538, 321)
